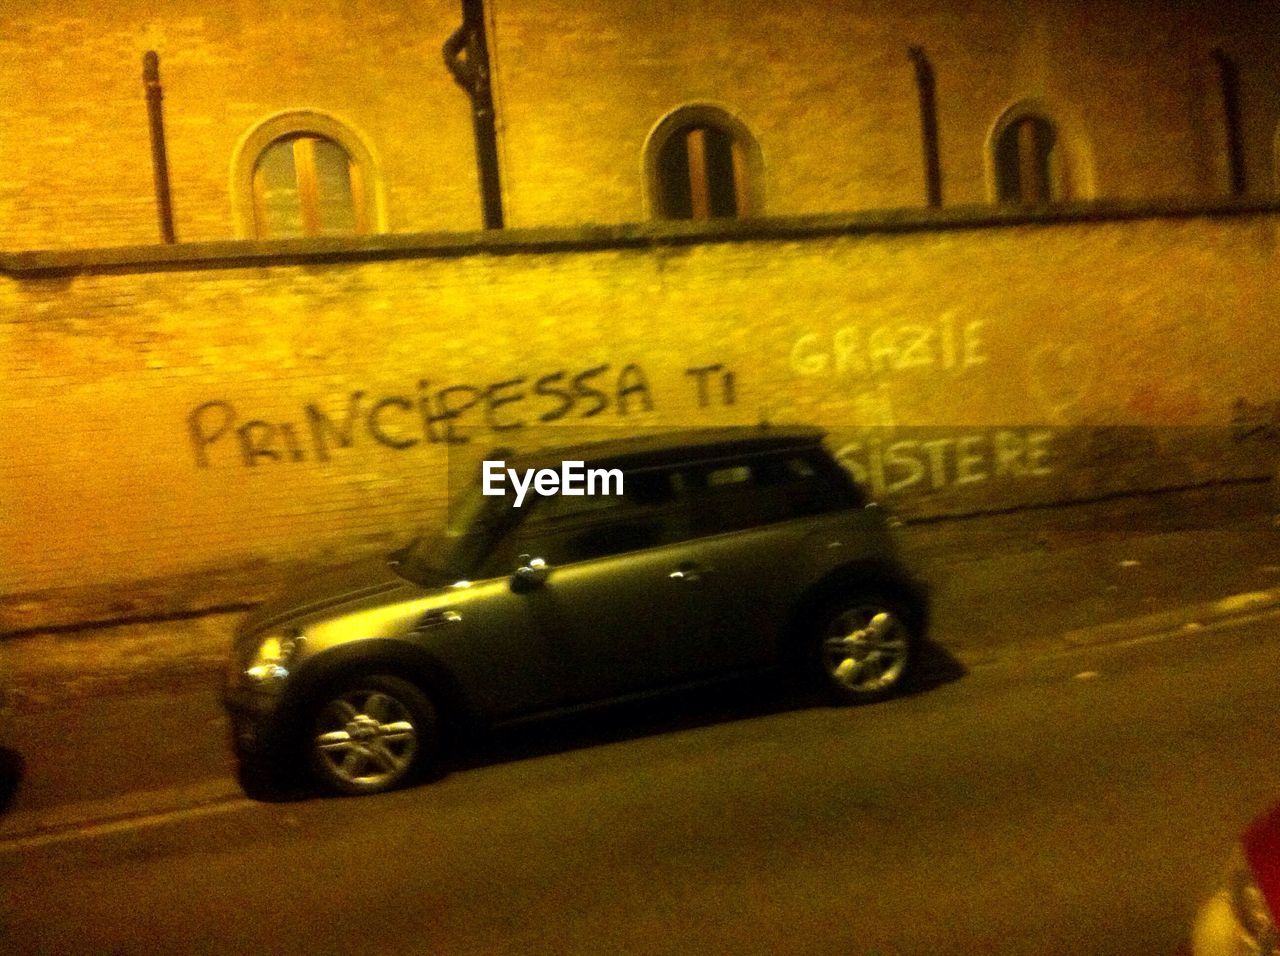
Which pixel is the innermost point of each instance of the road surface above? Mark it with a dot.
(1078, 802)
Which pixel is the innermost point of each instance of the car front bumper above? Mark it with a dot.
(256, 725)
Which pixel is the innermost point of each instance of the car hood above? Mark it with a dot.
(331, 588)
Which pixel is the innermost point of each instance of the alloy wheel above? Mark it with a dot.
(865, 649)
(365, 740)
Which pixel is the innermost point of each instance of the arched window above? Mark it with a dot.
(703, 164)
(304, 173)
(1028, 162)
(700, 172)
(307, 185)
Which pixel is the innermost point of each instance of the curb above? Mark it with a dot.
(43, 823)
(1190, 617)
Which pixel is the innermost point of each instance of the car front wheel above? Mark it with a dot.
(864, 650)
(371, 734)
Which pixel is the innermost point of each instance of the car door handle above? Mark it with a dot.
(437, 618)
(687, 573)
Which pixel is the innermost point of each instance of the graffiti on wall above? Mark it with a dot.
(909, 464)
(449, 414)
(944, 345)
(1059, 377)
(865, 361)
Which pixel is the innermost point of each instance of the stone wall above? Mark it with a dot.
(171, 411)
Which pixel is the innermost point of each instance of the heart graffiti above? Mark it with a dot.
(1059, 377)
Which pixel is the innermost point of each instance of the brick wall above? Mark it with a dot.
(826, 88)
(164, 420)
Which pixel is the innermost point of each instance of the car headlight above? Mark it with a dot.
(1250, 906)
(271, 660)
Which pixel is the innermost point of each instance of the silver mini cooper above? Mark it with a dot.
(725, 552)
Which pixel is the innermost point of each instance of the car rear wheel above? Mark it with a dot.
(371, 734)
(865, 648)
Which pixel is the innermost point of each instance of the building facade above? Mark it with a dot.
(806, 109)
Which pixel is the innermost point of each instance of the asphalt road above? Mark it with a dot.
(1076, 803)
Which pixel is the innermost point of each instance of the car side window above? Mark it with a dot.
(733, 496)
(563, 529)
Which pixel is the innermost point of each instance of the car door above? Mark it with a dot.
(616, 596)
(746, 530)
(505, 663)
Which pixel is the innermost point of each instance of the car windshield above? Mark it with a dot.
(455, 550)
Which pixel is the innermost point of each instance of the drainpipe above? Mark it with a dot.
(466, 56)
(1229, 75)
(928, 125)
(159, 157)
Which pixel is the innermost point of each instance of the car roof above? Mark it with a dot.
(670, 447)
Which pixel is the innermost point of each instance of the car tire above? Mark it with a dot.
(862, 648)
(371, 734)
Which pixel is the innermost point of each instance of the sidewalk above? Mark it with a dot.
(1031, 579)
(1092, 572)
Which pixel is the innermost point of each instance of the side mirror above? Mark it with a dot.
(530, 574)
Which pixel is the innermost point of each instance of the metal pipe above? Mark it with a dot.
(466, 56)
(927, 87)
(159, 156)
(1229, 75)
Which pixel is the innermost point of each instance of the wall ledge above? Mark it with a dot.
(240, 254)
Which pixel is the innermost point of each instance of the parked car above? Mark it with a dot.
(1240, 919)
(726, 552)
